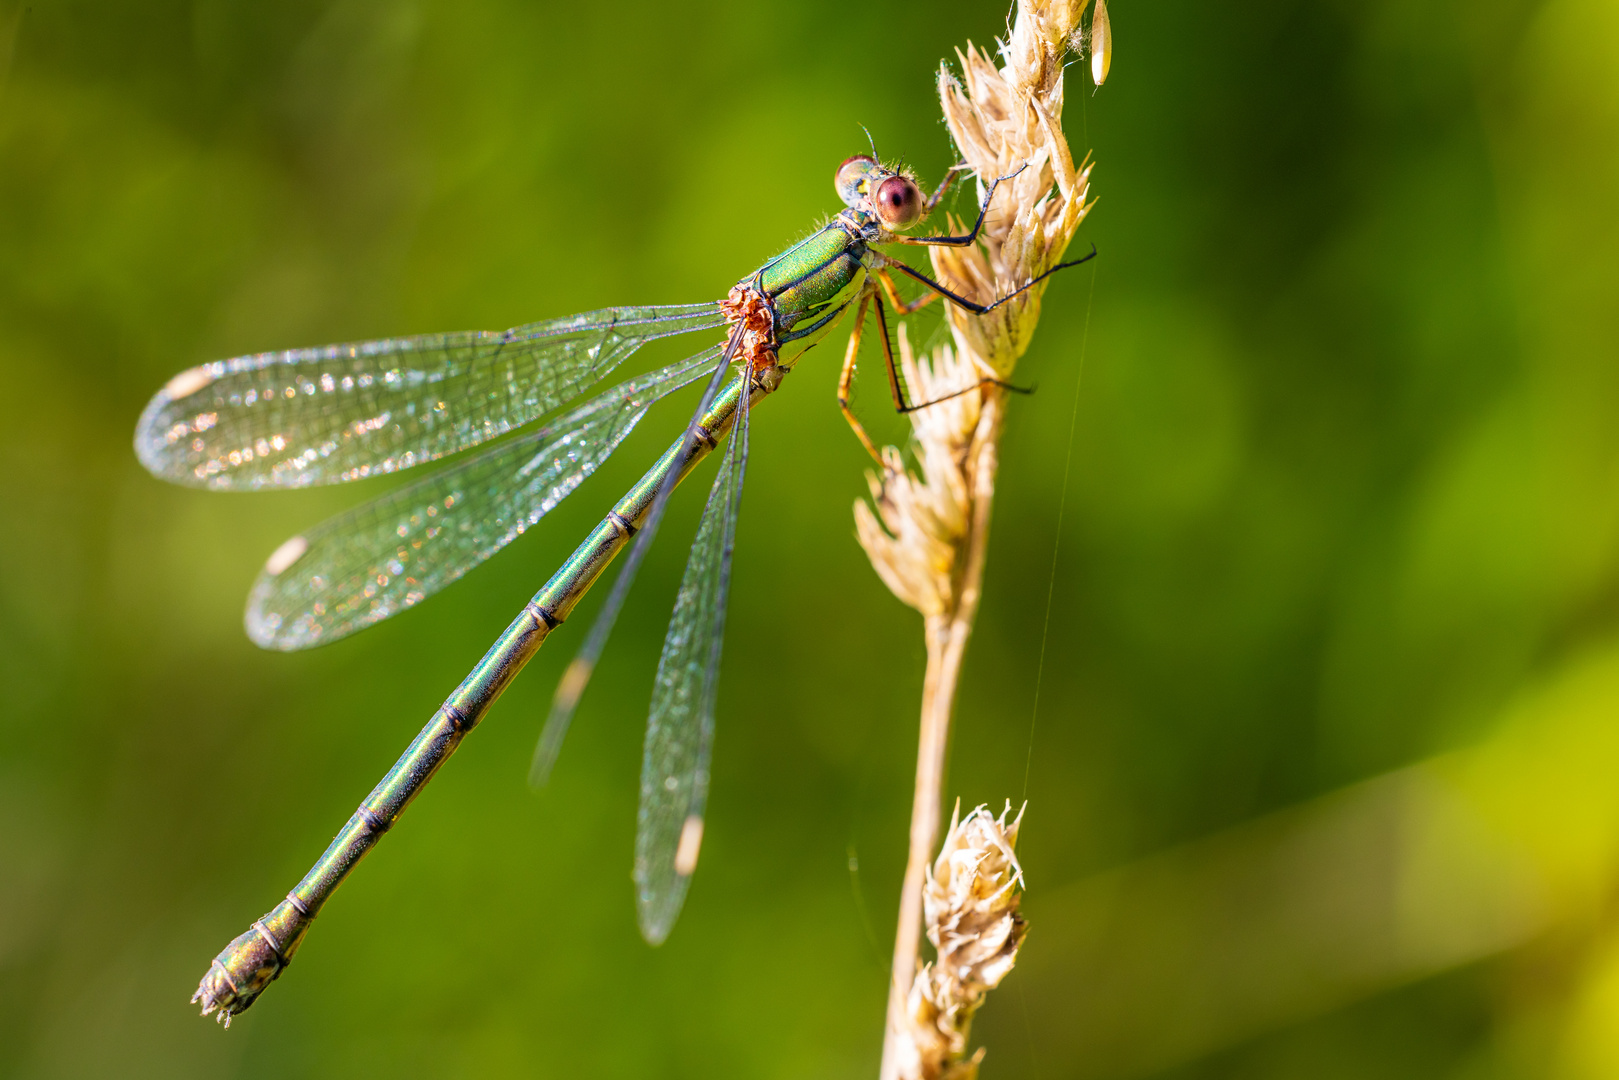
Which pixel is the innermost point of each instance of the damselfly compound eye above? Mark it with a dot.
(898, 203)
(851, 178)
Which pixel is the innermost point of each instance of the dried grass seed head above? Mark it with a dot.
(914, 537)
(1005, 119)
(970, 902)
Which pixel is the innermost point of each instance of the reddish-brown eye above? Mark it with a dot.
(898, 203)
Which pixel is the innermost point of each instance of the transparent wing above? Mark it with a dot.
(342, 412)
(576, 677)
(680, 727)
(379, 558)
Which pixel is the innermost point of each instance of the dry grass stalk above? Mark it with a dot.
(927, 536)
(970, 901)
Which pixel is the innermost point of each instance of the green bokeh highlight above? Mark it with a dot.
(1342, 499)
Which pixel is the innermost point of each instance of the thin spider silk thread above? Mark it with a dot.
(1045, 629)
(1056, 545)
(1051, 582)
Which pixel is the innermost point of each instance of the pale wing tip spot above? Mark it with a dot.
(691, 840)
(285, 555)
(188, 382)
(572, 684)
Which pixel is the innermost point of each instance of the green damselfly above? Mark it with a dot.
(346, 412)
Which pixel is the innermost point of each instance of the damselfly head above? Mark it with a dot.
(869, 186)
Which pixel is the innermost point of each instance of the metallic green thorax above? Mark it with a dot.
(253, 960)
(812, 280)
(811, 284)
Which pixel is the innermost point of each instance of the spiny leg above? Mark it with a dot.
(979, 385)
(897, 389)
(885, 262)
(967, 239)
(902, 307)
(944, 186)
(846, 377)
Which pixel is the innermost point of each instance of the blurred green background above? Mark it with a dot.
(1324, 779)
